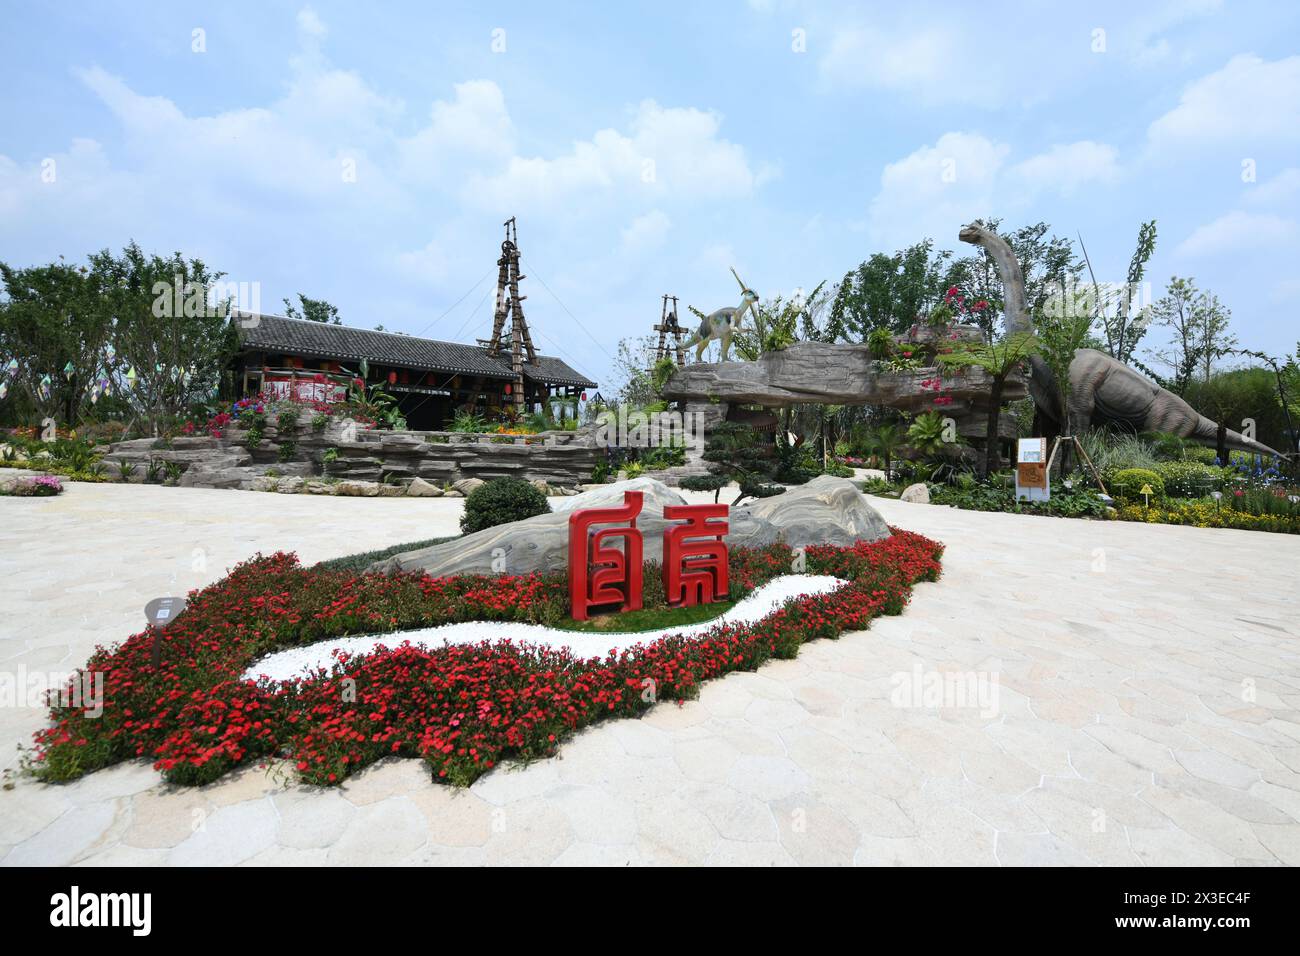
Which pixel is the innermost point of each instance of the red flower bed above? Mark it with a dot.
(462, 708)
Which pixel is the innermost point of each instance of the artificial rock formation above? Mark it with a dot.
(839, 374)
(557, 458)
(825, 511)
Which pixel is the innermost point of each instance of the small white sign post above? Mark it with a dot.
(1031, 470)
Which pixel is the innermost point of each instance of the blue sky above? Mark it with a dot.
(645, 148)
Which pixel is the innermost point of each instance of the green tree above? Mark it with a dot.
(736, 453)
(633, 367)
(999, 359)
(54, 323)
(1113, 307)
(170, 330)
(889, 291)
(1198, 324)
(313, 310)
(1062, 331)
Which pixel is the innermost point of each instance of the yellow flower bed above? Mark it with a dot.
(1203, 515)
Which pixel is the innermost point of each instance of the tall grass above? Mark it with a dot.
(1112, 451)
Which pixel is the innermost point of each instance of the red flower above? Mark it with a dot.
(461, 708)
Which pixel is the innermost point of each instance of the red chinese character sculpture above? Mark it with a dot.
(695, 556)
(598, 574)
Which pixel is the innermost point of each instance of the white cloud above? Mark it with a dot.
(1281, 188)
(472, 129)
(280, 148)
(936, 189)
(429, 264)
(1067, 167)
(667, 153)
(1250, 101)
(646, 233)
(310, 24)
(965, 175)
(925, 60)
(1142, 38)
(1237, 231)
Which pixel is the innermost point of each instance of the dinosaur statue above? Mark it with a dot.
(1102, 389)
(722, 324)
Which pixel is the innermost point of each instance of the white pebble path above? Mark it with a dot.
(302, 661)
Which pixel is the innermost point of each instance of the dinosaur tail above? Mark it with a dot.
(1207, 432)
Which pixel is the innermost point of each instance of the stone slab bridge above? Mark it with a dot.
(838, 374)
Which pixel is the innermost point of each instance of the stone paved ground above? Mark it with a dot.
(1147, 710)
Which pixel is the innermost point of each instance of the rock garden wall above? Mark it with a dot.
(337, 458)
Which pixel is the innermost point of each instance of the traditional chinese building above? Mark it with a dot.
(431, 379)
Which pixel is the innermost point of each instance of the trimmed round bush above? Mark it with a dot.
(1189, 479)
(501, 501)
(1127, 483)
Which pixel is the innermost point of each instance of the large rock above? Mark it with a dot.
(832, 374)
(467, 485)
(419, 488)
(656, 493)
(357, 489)
(825, 511)
(918, 494)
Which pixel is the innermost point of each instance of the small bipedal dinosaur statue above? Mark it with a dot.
(1102, 389)
(722, 324)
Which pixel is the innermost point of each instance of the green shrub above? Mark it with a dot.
(1127, 483)
(664, 456)
(1189, 479)
(713, 483)
(500, 501)
(880, 343)
(360, 562)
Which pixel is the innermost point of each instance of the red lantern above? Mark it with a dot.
(507, 389)
(584, 396)
(392, 378)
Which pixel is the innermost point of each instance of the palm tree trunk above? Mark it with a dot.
(991, 434)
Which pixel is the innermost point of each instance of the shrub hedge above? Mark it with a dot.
(500, 501)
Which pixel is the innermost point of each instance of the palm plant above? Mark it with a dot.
(468, 422)
(884, 442)
(999, 359)
(928, 434)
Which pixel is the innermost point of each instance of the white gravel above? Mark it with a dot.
(302, 661)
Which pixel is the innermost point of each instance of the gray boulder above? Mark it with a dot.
(466, 485)
(918, 494)
(419, 488)
(825, 511)
(656, 493)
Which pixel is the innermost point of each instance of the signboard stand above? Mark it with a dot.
(1083, 455)
(1032, 466)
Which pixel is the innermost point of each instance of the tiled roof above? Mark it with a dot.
(274, 333)
(556, 372)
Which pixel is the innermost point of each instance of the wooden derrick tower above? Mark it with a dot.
(511, 303)
(668, 325)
